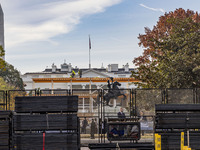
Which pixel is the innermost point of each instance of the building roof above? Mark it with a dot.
(78, 80)
(99, 70)
(94, 71)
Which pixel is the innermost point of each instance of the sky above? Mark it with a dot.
(39, 33)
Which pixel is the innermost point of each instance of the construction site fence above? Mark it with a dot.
(139, 103)
(140, 98)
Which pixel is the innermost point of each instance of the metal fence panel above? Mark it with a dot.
(11, 97)
(197, 95)
(146, 100)
(88, 101)
(180, 96)
(117, 99)
(3, 100)
(92, 105)
(145, 109)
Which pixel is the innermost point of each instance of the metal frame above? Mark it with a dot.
(4, 99)
(133, 94)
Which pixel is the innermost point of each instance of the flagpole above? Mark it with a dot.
(89, 53)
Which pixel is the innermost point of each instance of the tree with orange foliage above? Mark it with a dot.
(171, 57)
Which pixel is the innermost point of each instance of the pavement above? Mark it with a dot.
(85, 148)
(86, 141)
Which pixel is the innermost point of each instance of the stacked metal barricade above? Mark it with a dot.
(172, 119)
(5, 130)
(46, 122)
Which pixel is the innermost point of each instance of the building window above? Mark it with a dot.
(122, 76)
(35, 76)
(47, 76)
(59, 76)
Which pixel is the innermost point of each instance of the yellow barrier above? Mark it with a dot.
(182, 143)
(157, 142)
(182, 140)
(186, 148)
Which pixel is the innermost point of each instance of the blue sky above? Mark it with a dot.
(41, 32)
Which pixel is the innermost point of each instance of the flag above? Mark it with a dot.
(89, 52)
(89, 43)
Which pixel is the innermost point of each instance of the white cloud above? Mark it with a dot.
(154, 9)
(44, 55)
(41, 22)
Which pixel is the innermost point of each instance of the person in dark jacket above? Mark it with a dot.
(121, 114)
(84, 125)
(93, 129)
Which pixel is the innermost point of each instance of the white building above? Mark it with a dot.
(53, 80)
(58, 78)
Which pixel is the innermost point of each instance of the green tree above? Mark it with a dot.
(5, 86)
(11, 76)
(171, 56)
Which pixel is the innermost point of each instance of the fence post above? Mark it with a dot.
(195, 95)
(132, 103)
(6, 98)
(166, 95)
(188, 138)
(163, 96)
(135, 109)
(35, 92)
(8, 101)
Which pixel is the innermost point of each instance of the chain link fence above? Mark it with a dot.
(180, 96)
(3, 100)
(146, 100)
(132, 100)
